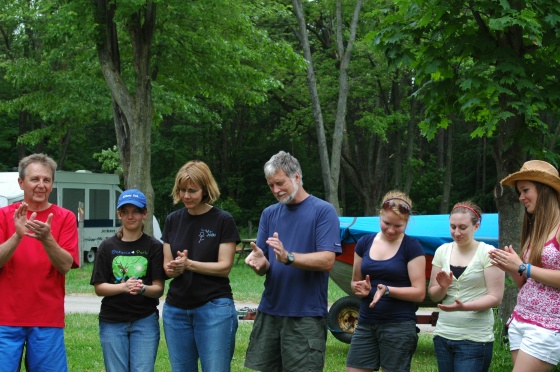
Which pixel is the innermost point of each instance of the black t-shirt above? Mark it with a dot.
(116, 262)
(201, 235)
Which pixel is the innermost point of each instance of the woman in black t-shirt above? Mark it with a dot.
(199, 316)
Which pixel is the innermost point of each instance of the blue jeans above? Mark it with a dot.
(130, 346)
(206, 333)
(462, 355)
(44, 349)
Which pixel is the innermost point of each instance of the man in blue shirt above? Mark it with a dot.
(297, 242)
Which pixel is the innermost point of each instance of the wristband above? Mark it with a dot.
(528, 271)
(522, 268)
(143, 289)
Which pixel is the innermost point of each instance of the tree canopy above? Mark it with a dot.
(227, 84)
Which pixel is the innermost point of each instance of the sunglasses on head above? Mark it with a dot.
(389, 204)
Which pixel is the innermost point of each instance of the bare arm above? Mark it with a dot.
(439, 284)
(417, 290)
(547, 277)
(508, 261)
(61, 259)
(360, 286)
(315, 261)
(169, 266)
(156, 289)
(221, 268)
(8, 248)
(257, 261)
(175, 267)
(495, 282)
(356, 269)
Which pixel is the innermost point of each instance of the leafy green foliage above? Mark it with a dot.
(488, 61)
(109, 159)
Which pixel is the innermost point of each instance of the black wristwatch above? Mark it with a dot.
(522, 268)
(387, 292)
(291, 258)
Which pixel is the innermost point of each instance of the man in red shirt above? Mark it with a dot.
(38, 246)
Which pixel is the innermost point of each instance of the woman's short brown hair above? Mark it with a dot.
(199, 173)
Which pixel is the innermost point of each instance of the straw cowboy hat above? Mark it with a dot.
(537, 171)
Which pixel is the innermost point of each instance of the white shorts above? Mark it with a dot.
(538, 342)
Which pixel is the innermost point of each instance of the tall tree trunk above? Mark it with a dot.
(411, 141)
(398, 163)
(64, 151)
(364, 171)
(23, 116)
(330, 170)
(132, 112)
(315, 103)
(448, 171)
(379, 180)
(345, 54)
(509, 157)
(441, 148)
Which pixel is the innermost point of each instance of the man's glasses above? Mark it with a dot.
(389, 204)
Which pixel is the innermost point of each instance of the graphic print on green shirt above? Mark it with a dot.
(125, 267)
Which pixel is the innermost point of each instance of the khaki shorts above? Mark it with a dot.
(388, 346)
(287, 344)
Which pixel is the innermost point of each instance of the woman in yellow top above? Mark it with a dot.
(468, 286)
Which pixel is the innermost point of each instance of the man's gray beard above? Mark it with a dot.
(290, 198)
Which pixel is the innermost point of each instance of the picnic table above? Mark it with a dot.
(245, 249)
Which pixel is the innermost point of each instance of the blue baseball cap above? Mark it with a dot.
(132, 196)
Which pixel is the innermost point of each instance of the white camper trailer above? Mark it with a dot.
(91, 196)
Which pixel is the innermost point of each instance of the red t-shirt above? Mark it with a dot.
(31, 289)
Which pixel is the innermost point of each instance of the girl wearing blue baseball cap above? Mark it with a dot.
(129, 274)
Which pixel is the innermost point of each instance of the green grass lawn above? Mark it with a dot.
(84, 350)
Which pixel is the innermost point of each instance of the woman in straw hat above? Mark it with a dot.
(534, 326)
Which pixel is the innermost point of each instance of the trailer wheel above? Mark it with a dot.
(89, 256)
(343, 318)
